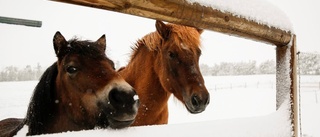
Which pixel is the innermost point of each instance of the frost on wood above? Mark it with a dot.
(283, 74)
(284, 81)
(259, 11)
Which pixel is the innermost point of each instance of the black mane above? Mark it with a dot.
(41, 104)
(85, 48)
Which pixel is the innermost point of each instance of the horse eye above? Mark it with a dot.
(72, 69)
(172, 55)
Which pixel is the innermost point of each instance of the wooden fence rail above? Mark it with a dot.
(182, 12)
(16, 21)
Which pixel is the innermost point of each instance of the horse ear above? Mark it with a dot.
(102, 43)
(58, 42)
(199, 30)
(163, 29)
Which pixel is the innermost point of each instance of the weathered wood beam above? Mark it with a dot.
(16, 21)
(294, 95)
(182, 12)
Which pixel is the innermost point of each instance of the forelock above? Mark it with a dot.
(187, 38)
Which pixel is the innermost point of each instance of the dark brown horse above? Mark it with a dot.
(80, 91)
(166, 62)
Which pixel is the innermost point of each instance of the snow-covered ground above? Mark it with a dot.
(240, 106)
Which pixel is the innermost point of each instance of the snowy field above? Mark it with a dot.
(240, 106)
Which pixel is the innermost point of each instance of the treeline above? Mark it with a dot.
(308, 64)
(12, 73)
(239, 68)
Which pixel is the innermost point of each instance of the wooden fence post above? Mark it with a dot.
(294, 96)
(287, 81)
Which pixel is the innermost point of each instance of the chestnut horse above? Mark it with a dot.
(80, 91)
(163, 62)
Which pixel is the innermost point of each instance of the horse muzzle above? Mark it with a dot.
(197, 104)
(125, 106)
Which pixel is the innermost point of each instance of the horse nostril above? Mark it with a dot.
(117, 97)
(195, 100)
(123, 99)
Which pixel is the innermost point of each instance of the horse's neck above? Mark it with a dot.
(57, 122)
(140, 74)
(61, 122)
(153, 98)
(64, 124)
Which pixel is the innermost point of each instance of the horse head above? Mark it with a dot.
(81, 91)
(178, 65)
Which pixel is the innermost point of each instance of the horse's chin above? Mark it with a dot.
(118, 124)
(193, 110)
(113, 123)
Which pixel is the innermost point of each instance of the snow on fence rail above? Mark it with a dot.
(198, 14)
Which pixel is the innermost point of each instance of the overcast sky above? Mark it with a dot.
(21, 45)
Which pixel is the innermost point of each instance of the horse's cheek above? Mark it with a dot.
(90, 104)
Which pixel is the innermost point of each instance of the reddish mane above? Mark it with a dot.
(151, 40)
